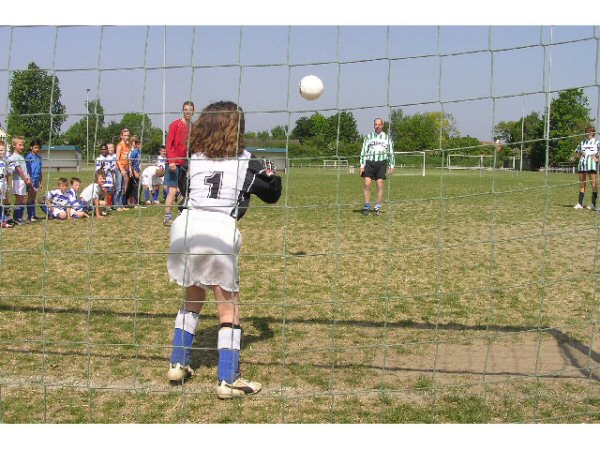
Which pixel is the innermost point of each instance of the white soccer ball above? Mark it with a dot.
(311, 87)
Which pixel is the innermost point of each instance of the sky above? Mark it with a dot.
(478, 73)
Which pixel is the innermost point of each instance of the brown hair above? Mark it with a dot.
(590, 129)
(219, 131)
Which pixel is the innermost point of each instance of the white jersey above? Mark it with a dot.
(90, 193)
(107, 164)
(149, 177)
(73, 200)
(17, 160)
(3, 178)
(58, 198)
(588, 153)
(161, 161)
(225, 185)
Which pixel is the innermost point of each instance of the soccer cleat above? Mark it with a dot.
(178, 373)
(6, 225)
(239, 388)
(167, 222)
(18, 223)
(156, 202)
(578, 206)
(592, 207)
(377, 209)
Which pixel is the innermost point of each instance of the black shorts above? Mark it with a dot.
(375, 170)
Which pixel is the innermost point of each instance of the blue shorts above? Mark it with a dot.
(172, 177)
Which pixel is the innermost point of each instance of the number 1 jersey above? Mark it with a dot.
(225, 185)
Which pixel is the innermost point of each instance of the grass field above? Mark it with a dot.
(472, 299)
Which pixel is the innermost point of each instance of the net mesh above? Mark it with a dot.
(471, 298)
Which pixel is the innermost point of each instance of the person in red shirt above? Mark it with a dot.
(177, 150)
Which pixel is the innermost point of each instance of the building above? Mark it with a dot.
(61, 157)
(277, 155)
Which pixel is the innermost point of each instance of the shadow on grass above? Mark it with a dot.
(204, 354)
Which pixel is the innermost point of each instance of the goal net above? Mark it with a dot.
(472, 297)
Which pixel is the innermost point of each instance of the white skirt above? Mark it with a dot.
(204, 250)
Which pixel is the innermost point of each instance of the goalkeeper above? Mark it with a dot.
(377, 153)
(205, 241)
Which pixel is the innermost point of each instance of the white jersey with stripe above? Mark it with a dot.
(58, 198)
(161, 161)
(225, 185)
(377, 147)
(587, 150)
(3, 170)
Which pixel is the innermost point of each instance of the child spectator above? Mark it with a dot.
(161, 161)
(33, 160)
(122, 179)
(3, 188)
(78, 210)
(57, 201)
(105, 163)
(150, 177)
(112, 169)
(93, 197)
(20, 178)
(134, 171)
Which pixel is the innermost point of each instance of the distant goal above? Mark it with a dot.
(410, 163)
(480, 162)
(470, 162)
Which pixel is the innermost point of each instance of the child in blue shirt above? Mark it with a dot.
(33, 160)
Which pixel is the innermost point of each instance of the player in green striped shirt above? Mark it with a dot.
(587, 154)
(377, 153)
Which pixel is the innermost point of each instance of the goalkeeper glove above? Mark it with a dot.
(269, 167)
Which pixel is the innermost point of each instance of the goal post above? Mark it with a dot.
(456, 161)
(410, 163)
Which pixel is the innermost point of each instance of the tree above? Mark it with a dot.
(303, 129)
(347, 126)
(279, 132)
(421, 131)
(569, 115)
(528, 132)
(35, 108)
(141, 125)
(93, 124)
(320, 131)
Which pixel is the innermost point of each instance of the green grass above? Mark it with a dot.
(472, 299)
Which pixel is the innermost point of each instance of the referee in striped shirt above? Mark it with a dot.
(377, 153)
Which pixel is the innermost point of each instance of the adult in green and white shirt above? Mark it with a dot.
(376, 155)
(587, 154)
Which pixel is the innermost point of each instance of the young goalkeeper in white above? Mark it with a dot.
(205, 241)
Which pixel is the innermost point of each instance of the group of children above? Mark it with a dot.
(122, 167)
(116, 183)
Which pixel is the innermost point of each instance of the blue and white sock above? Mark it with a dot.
(183, 336)
(367, 206)
(229, 345)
